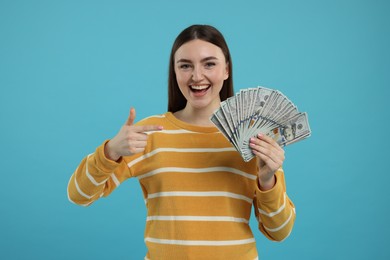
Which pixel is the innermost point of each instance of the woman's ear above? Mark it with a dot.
(227, 71)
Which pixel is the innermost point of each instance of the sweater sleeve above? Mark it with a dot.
(274, 210)
(96, 176)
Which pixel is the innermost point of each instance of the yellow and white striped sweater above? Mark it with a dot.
(198, 192)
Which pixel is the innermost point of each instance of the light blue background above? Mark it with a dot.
(70, 70)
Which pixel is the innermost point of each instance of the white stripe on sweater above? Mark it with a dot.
(271, 214)
(174, 132)
(115, 179)
(197, 218)
(199, 194)
(154, 116)
(198, 170)
(200, 242)
(67, 192)
(281, 226)
(90, 176)
(80, 191)
(80, 204)
(181, 150)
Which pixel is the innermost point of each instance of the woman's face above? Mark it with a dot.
(200, 69)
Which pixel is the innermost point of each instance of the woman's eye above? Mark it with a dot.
(184, 66)
(210, 64)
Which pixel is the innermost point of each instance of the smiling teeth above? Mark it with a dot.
(199, 87)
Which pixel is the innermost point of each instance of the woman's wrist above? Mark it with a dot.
(109, 153)
(265, 185)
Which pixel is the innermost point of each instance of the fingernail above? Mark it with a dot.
(260, 135)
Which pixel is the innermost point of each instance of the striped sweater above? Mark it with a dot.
(198, 193)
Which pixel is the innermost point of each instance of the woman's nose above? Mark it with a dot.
(197, 74)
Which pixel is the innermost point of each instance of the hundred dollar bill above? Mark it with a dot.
(221, 123)
(260, 110)
(294, 129)
(261, 97)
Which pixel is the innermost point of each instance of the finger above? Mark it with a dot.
(260, 143)
(266, 160)
(135, 147)
(269, 152)
(138, 137)
(138, 144)
(147, 128)
(135, 150)
(274, 157)
(131, 118)
(134, 136)
(269, 140)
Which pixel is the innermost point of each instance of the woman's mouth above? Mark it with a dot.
(198, 89)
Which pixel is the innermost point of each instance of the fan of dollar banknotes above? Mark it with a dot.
(260, 110)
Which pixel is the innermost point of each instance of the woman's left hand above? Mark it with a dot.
(270, 157)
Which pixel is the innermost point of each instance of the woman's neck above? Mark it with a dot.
(193, 116)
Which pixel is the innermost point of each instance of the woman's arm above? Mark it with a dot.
(273, 208)
(101, 172)
(96, 176)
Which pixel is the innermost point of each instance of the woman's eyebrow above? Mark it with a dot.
(183, 60)
(209, 58)
(203, 60)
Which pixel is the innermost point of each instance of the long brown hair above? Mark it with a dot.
(176, 100)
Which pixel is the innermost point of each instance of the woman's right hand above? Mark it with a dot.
(130, 139)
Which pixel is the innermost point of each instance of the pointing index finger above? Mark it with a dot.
(148, 128)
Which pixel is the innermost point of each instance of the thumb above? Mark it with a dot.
(130, 119)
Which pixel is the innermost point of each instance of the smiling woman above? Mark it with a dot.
(199, 192)
(201, 70)
(215, 40)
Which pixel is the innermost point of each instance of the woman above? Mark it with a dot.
(198, 190)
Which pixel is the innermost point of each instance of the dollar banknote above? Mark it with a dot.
(260, 110)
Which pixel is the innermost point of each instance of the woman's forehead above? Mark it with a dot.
(198, 50)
